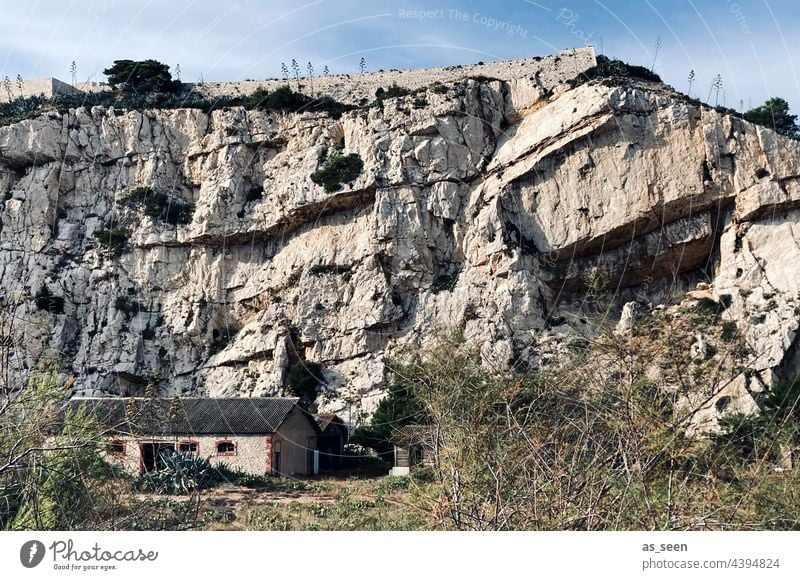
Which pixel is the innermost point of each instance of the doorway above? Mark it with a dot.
(153, 455)
(277, 462)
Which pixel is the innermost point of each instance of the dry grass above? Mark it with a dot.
(368, 503)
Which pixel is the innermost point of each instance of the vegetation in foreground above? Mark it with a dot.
(600, 439)
(595, 442)
(369, 504)
(53, 477)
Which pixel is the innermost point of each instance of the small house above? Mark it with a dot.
(333, 434)
(414, 447)
(258, 435)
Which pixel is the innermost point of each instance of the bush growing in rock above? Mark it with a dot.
(338, 169)
(304, 378)
(281, 99)
(420, 102)
(159, 205)
(392, 92)
(114, 240)
(127, 305)
(21, 108)
(614, 71)
(49, 303)
(286, 100)
(444, 282)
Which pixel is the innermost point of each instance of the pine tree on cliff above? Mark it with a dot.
(775, 115)
(141, 77)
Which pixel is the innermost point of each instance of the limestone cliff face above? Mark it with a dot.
(481, 207)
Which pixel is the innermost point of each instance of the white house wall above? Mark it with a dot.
(296, 436)
(250, 454)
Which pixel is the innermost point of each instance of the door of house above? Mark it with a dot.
(153, 455)
(276, 466)
(415, 455)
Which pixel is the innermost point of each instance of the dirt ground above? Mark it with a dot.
(334, 502)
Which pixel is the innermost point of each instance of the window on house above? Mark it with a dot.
(115, 448)
(187, 447)
(225, 448)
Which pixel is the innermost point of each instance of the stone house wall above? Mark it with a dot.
(250, 453)
(254, 454)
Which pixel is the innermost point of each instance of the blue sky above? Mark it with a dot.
(751, 43)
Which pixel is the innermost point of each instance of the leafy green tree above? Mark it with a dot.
(304, 378)
(50, 462)
(775, 115)
(400, 407)
(141, 77)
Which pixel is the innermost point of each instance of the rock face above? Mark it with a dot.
(490, 206)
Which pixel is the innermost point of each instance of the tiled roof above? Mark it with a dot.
(189, 416)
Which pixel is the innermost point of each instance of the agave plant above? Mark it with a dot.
(182, 473)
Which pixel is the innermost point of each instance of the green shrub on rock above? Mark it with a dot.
(114, 240)
(286, 100)
(614, 72)
(774, 114)
(48, 302)
(338, 169)
(159, 205)
(304, 378)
